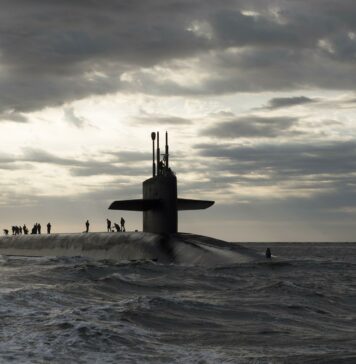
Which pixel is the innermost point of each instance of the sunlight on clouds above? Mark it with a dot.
(250, 13)
(181, 73)
(201, 29)
(326, 45)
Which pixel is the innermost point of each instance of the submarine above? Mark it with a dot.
(159, 240)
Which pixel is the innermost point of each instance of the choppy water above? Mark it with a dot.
(74, 310)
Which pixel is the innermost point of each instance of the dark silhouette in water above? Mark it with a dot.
(108, 224)
(49, 228)
(117, 227)
(87, 224)
(268, 253)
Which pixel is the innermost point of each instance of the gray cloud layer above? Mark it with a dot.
(56, 52)
(119, 163)
(252, 127)
(323, 166)
(280, 102)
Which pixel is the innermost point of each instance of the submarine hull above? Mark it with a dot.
(180, 248)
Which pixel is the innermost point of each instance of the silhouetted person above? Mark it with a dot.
(34, 229)
(268, 253)
(39, 228)
(87, 226)
(49, 228)
(122, 222)
(20, 229)
(25, 230)
(108, 224)
(117, 227)
(6, 232)
(13, 230)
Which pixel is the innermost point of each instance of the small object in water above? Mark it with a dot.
(268, 253)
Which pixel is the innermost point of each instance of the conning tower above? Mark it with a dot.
(160, 203)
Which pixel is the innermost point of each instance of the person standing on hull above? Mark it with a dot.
(49, 228)
(87, 226)
(122, 222)
(39, 228)
(108, 224)
(34, 229)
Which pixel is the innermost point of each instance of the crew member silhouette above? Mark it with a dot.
(49, 228)
(87, 226)
(117, 227)
(268, 253)
(122, 222)
(34, 229)
(39, 228)
(108, 223)
(25, 230)
(6, 232)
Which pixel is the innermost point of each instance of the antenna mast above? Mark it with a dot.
(158, 156)
(153, 137)
(167, 151)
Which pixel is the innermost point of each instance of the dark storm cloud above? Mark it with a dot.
(281, 102)
(252, 127)
(10, 115)
(56, 52)
(235, 28)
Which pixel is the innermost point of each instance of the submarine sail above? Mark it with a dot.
(160, 204)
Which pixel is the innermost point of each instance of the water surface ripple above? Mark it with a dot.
(299, 309)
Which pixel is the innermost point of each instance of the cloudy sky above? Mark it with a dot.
(258, 97)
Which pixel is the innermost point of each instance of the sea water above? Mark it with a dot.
(300, 307)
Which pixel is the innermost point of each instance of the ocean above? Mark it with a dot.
(300, 307)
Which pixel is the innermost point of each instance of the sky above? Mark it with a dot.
(258, 97)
